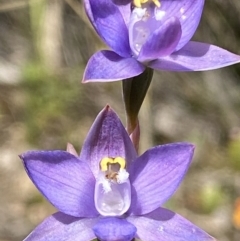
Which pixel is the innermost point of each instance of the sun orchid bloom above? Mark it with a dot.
(156, 36)
(109, 193)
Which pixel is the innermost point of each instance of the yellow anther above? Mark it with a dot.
(157, 3)
(121, 162)
(106, 160)
(138, 3)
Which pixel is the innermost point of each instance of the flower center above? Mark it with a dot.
(143, 22)
(112, 195)
(138, 3)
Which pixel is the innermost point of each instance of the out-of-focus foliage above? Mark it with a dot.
(51, 105)
(43, 51)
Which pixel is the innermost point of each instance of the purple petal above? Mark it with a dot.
(105, 66)
(165, 225)
(64, 180)
(188, 12)
(109, 24)
(62, 227)
(196, 56)
(107, 138)
(156, 175)
(161, 42)
(110, 229)
(124, 7)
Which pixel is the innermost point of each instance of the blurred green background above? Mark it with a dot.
(44, 47)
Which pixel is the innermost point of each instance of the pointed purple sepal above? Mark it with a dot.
(165, 225)
(65, 180)
(106, 66)
(156, 175)
(196, 56)
(188, 12)
(107, 138)
(109, 24)
(60, 226)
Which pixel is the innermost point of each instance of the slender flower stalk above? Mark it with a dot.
(151, 36)
(134, 91)
(109, 193)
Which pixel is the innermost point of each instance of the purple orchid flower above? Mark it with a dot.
(150, 36)
(108, 192)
